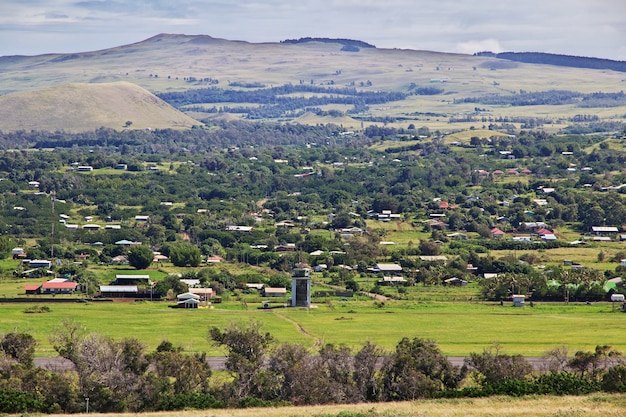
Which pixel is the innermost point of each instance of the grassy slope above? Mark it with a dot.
(175, 57)
(79, 107)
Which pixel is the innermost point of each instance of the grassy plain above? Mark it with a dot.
(600, 405)
(459, 327)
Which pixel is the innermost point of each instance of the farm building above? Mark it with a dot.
(392, 280)
(119, 291)
(205, 294)
(187, 300)
(39, 263)
(393, 269)
(131, 279)
(274, 292)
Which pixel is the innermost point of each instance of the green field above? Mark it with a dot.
(459, 328)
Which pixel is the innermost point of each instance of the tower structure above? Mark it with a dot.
(301, 286)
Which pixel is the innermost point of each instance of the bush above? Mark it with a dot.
(614, 380)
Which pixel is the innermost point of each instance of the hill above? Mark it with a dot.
(81, 107)
(435, 86)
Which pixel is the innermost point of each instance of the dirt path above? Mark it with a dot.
(300, 328)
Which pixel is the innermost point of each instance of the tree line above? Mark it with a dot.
(122, 376)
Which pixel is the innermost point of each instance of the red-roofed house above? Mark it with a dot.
(497, 233)
(56, 287)
(32, 289)
(542, 232)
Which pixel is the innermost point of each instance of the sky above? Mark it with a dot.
(593, 28)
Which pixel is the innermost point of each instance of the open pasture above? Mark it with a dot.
(459, 328)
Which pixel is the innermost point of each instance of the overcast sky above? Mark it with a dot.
(594, 28)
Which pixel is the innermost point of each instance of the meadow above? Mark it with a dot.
(459, 328)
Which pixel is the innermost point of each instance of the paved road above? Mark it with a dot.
(218, 363)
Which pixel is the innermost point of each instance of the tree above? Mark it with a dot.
(246, 347)
(140, 256)
(19, 346)
(418, 369)
(185, 254)
(494, 366)
(170, 282)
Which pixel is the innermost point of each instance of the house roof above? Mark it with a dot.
(187, 296)
(202, 291)
(388, 267)
(133, 277)
(32, 287)
(276, 290)
(66, 285)
(119, 288)
(606, 229)
(433, 257)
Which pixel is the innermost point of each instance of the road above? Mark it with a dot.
(218, 363)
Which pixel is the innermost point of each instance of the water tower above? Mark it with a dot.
(301, 286)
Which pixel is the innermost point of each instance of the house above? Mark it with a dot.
(35, 273)
(142, 218)
(392, 280)
(113, 227)
(32, 289)
(119, 260)
(214, 259)
(118, 291)
(39, 263)
(91, 227)
(393, 269)
(190, 282)
(205, 294)
(187, 300)
(59, 286)
(604, 229)
(121, 166)
(433, 258)
(457, 282)
(288, 247)
(18, 253)
(84, 168)
(159, 258)
(239, 228)
(131, 279)
(275, 292)
(496, 233)
(255, 285)
(125, 242)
